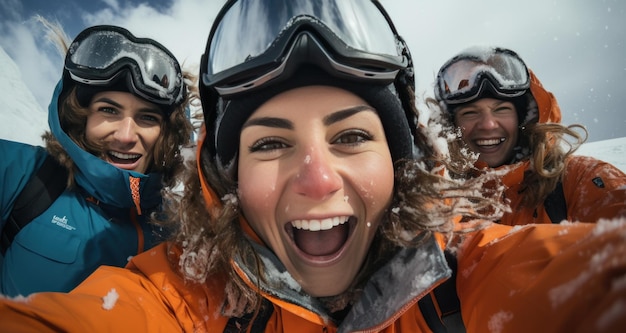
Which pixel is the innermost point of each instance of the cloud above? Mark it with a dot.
(575, 47)
(179, 26)
(38, 60)
(182, 27)
(11, 10)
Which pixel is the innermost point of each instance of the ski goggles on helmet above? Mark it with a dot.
(100, 55)
(466, 76)
(256, 41)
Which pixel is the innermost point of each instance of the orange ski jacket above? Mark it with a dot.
(592, 189)
(568, 278)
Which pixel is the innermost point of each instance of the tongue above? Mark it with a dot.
(323, 242)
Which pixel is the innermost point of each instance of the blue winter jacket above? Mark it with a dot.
(94, 223)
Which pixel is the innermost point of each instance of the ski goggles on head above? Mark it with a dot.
(100, 55)
(466, 76)
(256, 41)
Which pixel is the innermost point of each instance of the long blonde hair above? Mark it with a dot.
(551, 145)
(547, 146)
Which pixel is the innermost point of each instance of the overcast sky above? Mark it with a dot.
(577, 48)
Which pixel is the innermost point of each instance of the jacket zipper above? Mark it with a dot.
(140, 238)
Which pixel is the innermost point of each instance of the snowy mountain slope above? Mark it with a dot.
(21, 117)
(612, 151)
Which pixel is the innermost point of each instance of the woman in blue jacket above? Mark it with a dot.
(117, 124)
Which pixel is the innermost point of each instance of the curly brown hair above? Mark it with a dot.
(424, 201)
(167, 159)
(175, 131)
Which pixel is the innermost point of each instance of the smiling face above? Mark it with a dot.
(489, 127)
(127, 126)
(315, 178)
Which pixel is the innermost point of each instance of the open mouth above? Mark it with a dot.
(488, 143)
(121, 158)
(323, 238)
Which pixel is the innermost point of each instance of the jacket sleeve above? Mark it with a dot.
(544, 278)
(594, 189)
(110, 300)
(147, 296)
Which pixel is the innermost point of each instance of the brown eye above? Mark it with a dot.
(353, 137)
(267, 144)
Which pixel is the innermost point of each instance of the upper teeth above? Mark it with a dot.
(489, 142)
(316, 225)
(124, 156)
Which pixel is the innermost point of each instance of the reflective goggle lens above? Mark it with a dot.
(255, 34)
(100, 54)
(461, 79)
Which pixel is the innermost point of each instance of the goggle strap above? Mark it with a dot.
(278, 71)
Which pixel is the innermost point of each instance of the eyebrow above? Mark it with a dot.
(269, 122)
(118, 105)
(108, 100)
(495, 104)
(346, 113)
(500, 102)
(328, 120)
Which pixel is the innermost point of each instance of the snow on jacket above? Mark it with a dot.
(569, 278)
(592, 189)
(93, 224)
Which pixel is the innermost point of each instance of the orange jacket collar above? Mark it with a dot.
(549, 110)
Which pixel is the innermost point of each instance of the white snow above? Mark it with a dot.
(612, 151)
(608, 225)
(18, 298)
(496, 322)
(562, 293)
(108, 301)
(597, 262)
(21, 117)
(194, 264)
